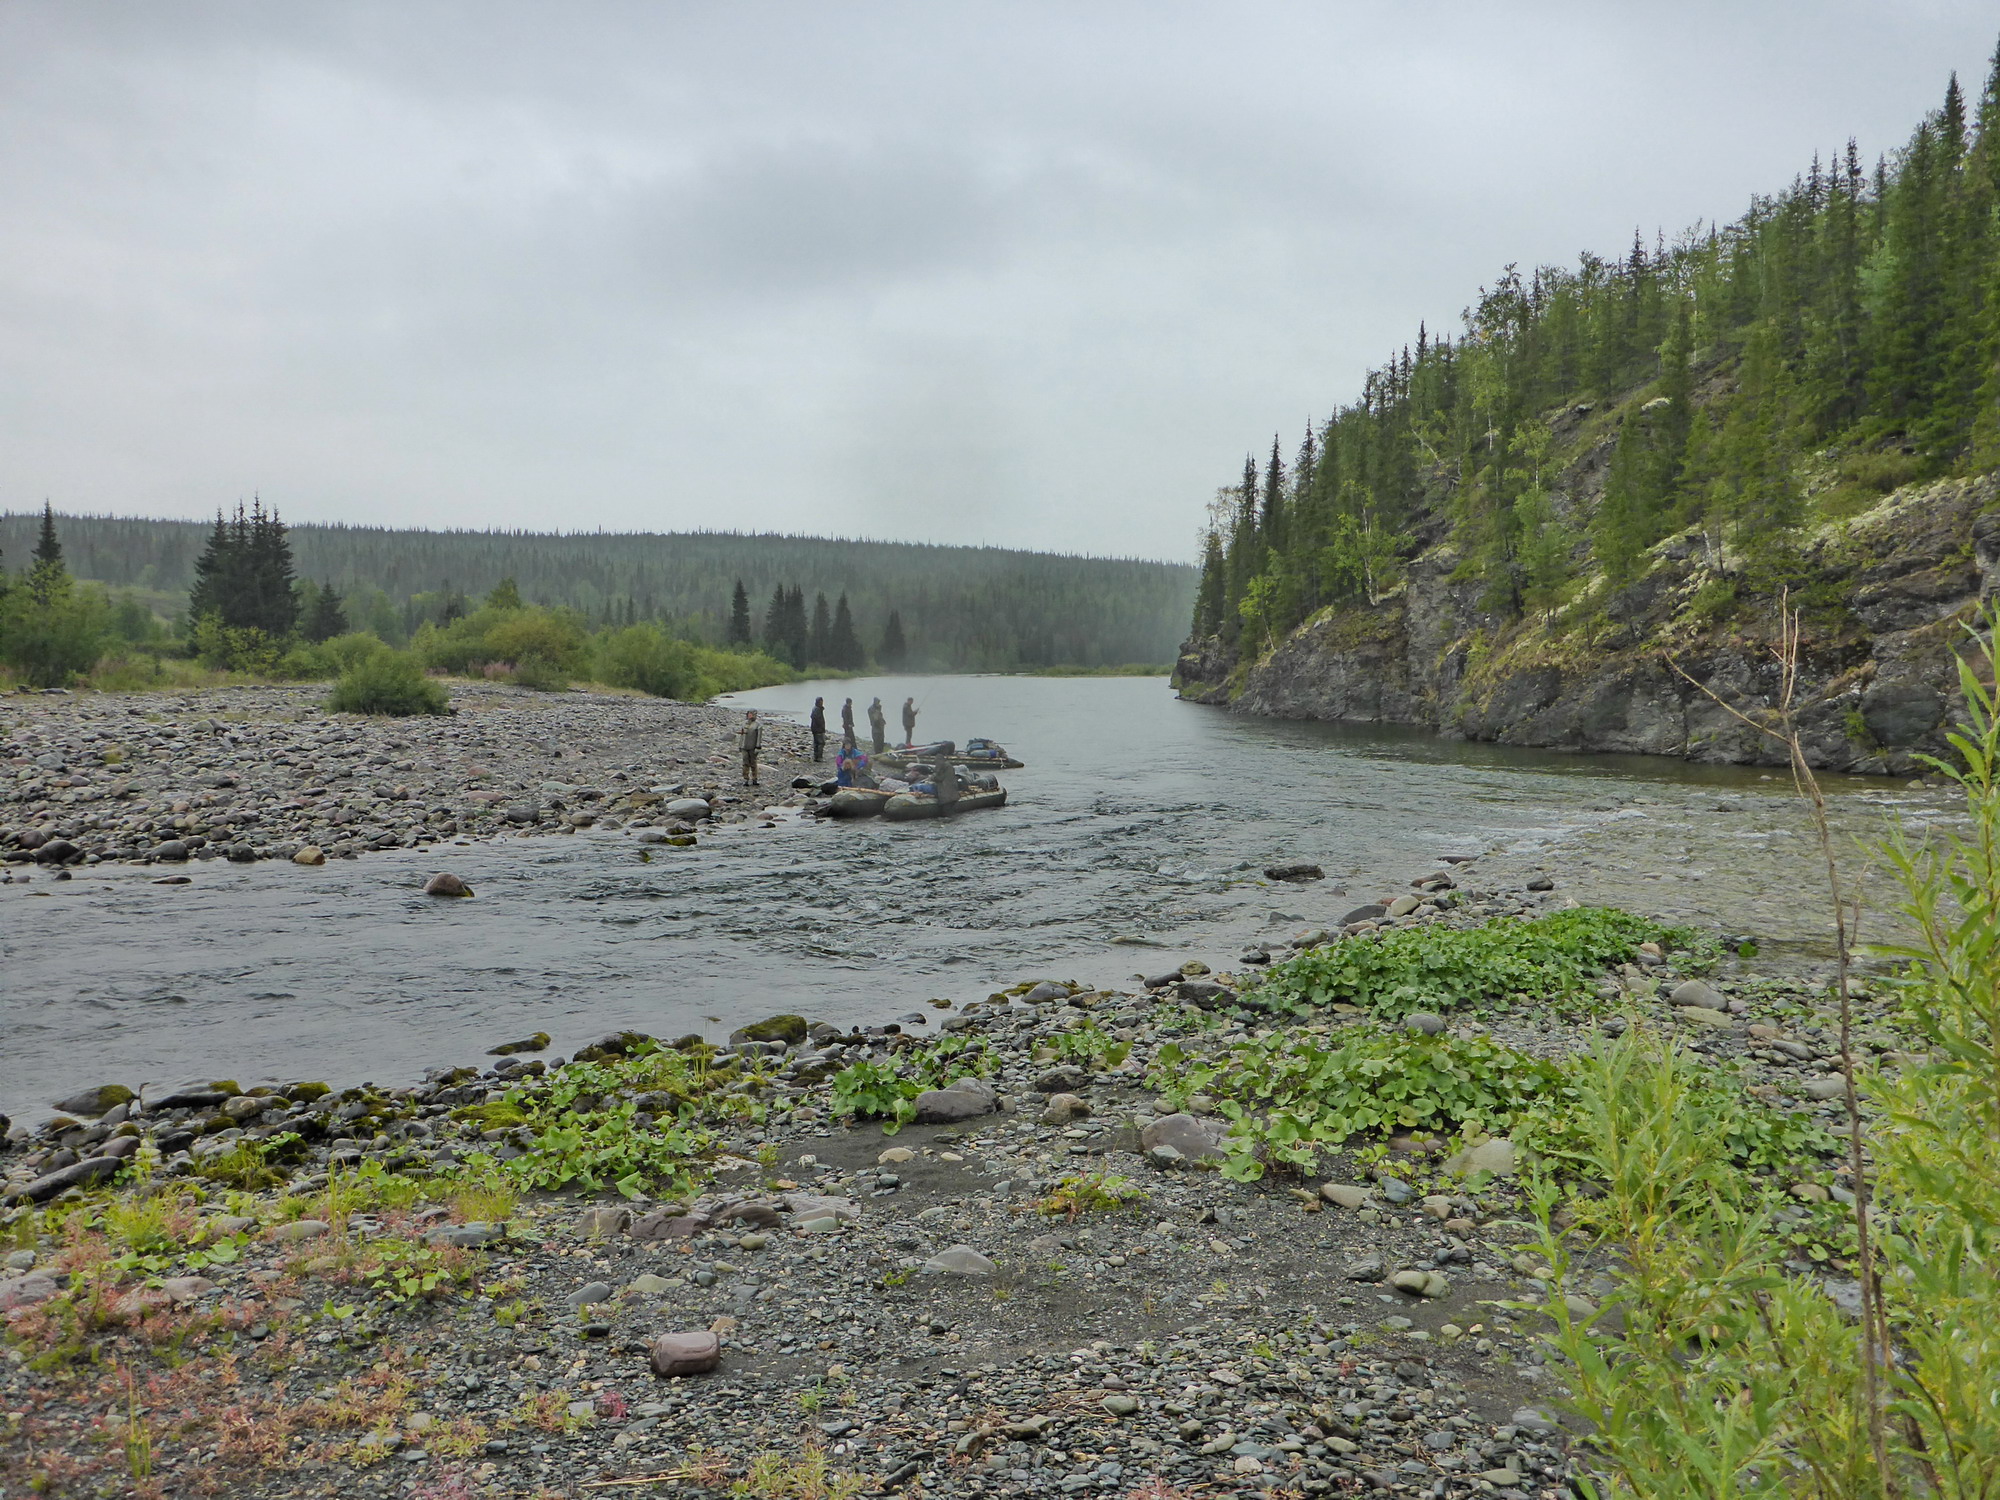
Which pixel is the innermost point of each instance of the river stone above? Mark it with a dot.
(1195, 1138)
(1119, 1405)
(1063, 1080)
(523, 812)
(1396, 1190)
(27, 1291)
(1402, 906)
(590, 1292)
(966, 1099)
(786, 1029)
(597, 1223)
(648, 1285)
(1694, 992)
(1296, 873)
(1701, 1015)
(812, 1205)
(444, 883)
(685, 1353)
(1062, 1109)
(171, 849)
(1831, 1087)
(300, 1229)
(1344, 1194)
(1369, 1267)
(1537, 1422)
(668, 1224)
(1373, 911)
(959, 1260)
(688, 809)
(1421, 1283)
(96, 1101)
(465, 1236)
(1427, 1022)
(76, 1174)
(57, 852)
(311, 854)
(537, 1043)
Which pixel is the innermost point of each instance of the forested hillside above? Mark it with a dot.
(960, 608)
(1643, 451)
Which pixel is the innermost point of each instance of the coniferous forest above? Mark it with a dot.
(1749, 382)
(890, 603)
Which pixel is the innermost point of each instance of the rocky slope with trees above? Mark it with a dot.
(1586, 519)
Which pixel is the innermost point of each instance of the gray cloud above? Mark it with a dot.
(1029, 274)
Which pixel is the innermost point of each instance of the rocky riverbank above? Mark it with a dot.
(1884, 597)
(249, 773)
(1040, 1286)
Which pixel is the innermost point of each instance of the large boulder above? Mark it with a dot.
(96, 1101)
(966, 1099)
(444, 883)
(787, 1029)
(1194, 1138)
(694, 1353)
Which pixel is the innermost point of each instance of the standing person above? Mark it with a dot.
(818, 724)
(909, 721)
(847, 719)
(878, 726)
(945, 780)
(749, 740)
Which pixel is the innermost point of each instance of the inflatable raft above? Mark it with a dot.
(906, 807)
(855, 802)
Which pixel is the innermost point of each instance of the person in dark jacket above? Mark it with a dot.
(878, 726)
(909, 721)
(818, 726)
(847, 719)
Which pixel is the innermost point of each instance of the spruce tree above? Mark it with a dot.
(48, 576)
(739, 616)
(327, 617)
(844, 649)
(777, 628)
(798, 631)
(895, 650)
(819, 638)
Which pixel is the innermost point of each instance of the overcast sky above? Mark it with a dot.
(1028, 274)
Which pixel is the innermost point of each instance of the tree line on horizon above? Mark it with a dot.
(1838, 341)
(957, 608)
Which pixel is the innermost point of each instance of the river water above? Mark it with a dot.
(1134, 839)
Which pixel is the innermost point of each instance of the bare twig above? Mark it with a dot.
(1874, 1314)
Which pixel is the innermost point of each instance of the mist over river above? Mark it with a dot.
(1134, 839)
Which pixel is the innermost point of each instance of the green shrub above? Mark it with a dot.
(331, 658)
(1714, 1370)
(50, 638)
(646, 658)
(388, 683)
(542, 674)
(1556, 957)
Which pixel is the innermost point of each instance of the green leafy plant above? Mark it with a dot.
(1556, 957)
(1289, 1095)
(1082, 1193)
(1092, 1047)
(870, 1090)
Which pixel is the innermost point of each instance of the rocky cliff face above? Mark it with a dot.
(1884, 603)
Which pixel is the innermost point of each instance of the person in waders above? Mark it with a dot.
(818, 726)
(909, 721)
(945, 779)
(878, 726)
(847, 719)
(749, 740)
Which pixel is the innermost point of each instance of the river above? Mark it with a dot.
(1134, 839)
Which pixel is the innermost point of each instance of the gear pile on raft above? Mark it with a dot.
(909, 782)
